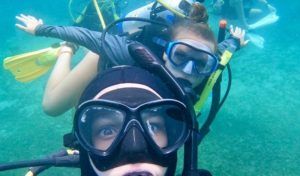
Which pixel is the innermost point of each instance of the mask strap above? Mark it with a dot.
(99, 173)
(159, 41)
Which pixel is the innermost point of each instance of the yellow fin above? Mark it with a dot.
(29, 66)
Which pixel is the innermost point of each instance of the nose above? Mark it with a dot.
(134, 142)
(188, 68)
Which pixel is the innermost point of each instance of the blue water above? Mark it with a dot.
(256, 132)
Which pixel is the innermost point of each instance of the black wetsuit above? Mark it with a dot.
(116, 48)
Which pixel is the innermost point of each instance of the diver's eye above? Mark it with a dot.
(106, 132)
(155, 128)
(200, 64)
(180, 57)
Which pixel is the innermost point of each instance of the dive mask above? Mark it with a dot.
(191, 57)
(100, 125)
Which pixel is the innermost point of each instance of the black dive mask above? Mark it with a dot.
(114, 134)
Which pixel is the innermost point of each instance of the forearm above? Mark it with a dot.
(232, 44)
(61, 69)
(52, 93)
(65, 86)
(81, 36)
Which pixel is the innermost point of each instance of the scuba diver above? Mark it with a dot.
(94, 14)
(131, 121)
(189, 39)
(246, 12)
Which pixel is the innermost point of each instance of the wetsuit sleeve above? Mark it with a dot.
(232, 44)
(116, 48)
(81, 36)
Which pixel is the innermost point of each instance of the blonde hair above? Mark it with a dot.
(198, 13)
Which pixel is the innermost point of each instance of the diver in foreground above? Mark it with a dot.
(131, 122)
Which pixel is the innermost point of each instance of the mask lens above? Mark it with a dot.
(99, 126)
(182, 55)
(165, 124)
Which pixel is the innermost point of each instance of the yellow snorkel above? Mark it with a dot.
(99, 13)
(116, 16)
(80, 17)
(225, 58)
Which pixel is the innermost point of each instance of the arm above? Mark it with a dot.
(234, 42)
(65, 86)
(115, 49)
(80, 36)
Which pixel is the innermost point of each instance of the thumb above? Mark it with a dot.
(246, 42)
(41, 21)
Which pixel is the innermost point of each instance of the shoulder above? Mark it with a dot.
(115, 51)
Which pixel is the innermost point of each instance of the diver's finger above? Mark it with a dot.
(24, 20)
(243, 32)
(231, 29)
(238, 30)
(28, 18)
(21, 27)
(41, 21)
(246, 42)
(32, 18)
(24, 16)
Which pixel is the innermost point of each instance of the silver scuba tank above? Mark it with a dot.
(131, 27)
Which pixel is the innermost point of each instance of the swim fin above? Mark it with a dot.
(267, 20)
(29, 66)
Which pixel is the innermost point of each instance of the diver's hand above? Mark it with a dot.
(67, 47)
(29, 23)
(239, 33)
(64, 49)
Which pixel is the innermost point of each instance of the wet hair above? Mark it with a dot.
(198, 13)
(196, 23)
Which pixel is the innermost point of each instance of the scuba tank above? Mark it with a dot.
(159, 10)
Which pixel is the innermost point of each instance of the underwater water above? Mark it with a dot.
(255, 133)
